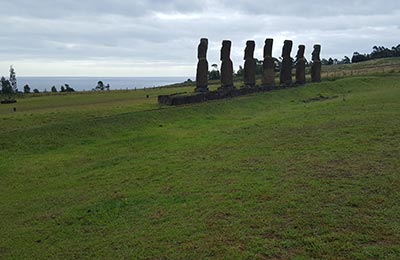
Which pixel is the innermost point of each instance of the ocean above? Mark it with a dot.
(88, 83)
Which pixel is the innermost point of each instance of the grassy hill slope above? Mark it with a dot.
(278, 175)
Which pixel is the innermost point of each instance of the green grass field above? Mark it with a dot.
(265, 176)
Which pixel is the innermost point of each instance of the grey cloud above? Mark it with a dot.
(167, 32)
(321, 8)
(68, 8)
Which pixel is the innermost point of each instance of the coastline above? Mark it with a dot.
(84, 84)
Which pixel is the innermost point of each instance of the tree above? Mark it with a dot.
(357, 57)
(6, 87)
(346, 60)
(27, 89)
(100, 85)
(62, 89)
(53, 89)
(68, 88)
(259, 67)
(278, 64)
(240, 71)
(214, 73)
(396, 50)
(324, 61)
(13, 79)
(36, 91)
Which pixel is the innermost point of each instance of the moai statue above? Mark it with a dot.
(268, 79)
(286, 70)
(301, 66)
(316, 66)
(250, 65)
(202, 67)
(226, 66)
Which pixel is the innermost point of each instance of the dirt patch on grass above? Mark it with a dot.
(319, 98)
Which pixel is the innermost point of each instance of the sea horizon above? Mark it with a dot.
(88, 83)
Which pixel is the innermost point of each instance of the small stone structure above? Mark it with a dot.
(250, 65)
(301, 66)
(202, 67)
(286, 70)
(8, 101)
(226, 66)
(268, 79)
(184, 98)
(316, 66)
(227, 88)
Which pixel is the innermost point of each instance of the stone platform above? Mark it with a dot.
(179, 99)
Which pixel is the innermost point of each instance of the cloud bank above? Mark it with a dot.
(160, 38)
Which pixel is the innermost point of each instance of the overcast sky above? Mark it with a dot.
(160, 37)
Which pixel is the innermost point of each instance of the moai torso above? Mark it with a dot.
(316, 53)
(287, 49)
(268, 47)
(300, 66)
(300, 52)
(226, 65)
(250, 64)
(202, 67)
(268, 79)
(202, 49)
(316, 66)
(286, 70)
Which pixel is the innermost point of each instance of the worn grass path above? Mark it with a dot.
(265, 176)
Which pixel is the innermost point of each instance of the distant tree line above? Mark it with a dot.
(378, 52)
(334, 61)
(63, 88)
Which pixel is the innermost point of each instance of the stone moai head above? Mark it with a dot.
(287, 48)
(249, 51)
(202, 49)
(268, 47)
(316, 52)
(300, 52)
(226, 50)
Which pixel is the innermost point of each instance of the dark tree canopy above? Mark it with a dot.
(27, 89)
(378, 52)
(13, 79)
(6, 87)
(214, 74)
(100, 85)
(68, 88)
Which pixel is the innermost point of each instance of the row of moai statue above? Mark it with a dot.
(268, 77)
